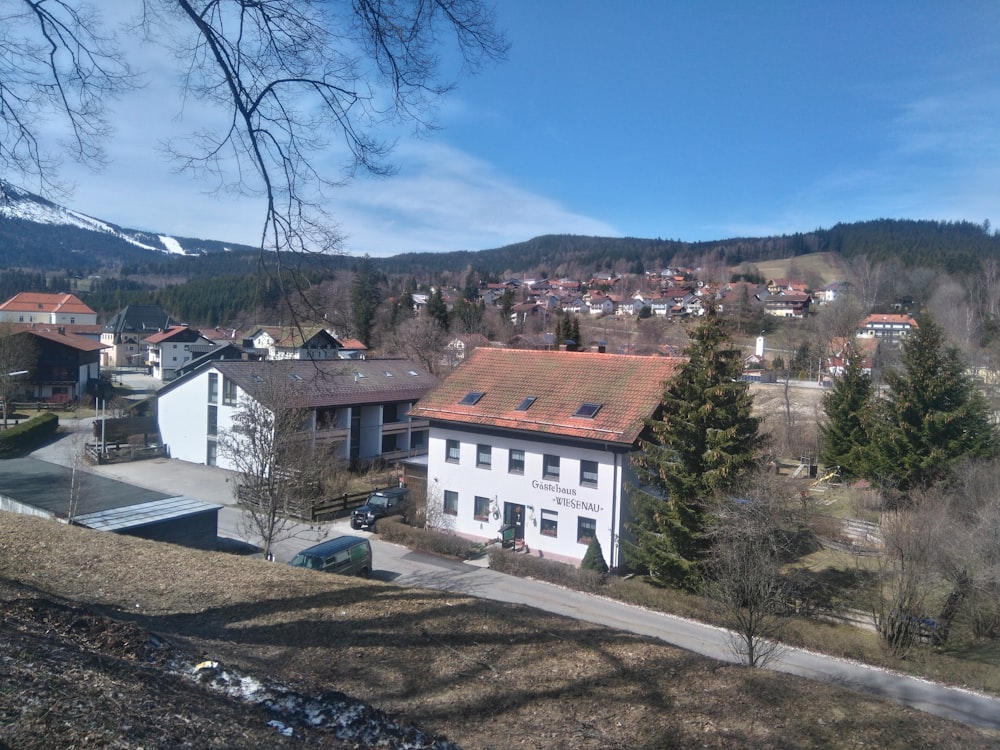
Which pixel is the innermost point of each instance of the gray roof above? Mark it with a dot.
(139, 318)
(144, 514)
(45, 486)
(311, 384)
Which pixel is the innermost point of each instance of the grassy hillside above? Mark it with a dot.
(80, 607)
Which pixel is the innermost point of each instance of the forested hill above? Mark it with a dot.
(954, 247)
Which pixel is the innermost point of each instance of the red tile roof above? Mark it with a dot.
(628, 388)
(166, 335)
(80, 343)
(35, 301)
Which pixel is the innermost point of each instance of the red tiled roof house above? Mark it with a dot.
(539, 441)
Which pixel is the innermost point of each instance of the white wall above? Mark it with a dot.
(567, 497)
(183, 419)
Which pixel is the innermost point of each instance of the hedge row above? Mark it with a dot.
(28, 435)
(392, 529)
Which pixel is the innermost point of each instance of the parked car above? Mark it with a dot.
(347, 555)
(380, 504)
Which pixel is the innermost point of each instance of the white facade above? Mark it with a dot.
(559, 513)
(185, 415)
(195, 409)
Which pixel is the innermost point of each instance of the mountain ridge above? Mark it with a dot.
(40, 235)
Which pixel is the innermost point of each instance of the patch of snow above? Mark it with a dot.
(172, 245)
(341, 715)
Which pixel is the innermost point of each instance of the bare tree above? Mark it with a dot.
(905, 576)
(279, 467)
(422, 340)
(744, 574)
(298, 80)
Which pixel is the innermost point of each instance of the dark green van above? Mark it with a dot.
(347, 555)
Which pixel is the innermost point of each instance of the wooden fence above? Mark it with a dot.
(312, 509)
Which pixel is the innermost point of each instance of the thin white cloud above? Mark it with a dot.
(443, 199)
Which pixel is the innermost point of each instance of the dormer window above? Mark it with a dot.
(587, 410)
(472, 398)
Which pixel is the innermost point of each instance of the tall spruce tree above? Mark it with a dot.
(931, 416)
(365, 299)
(705, 441)
(437, 309)
(844, 436)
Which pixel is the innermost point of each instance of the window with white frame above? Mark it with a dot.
(451, 502)
(550, 467)
(213, 387)
(515, 461)
(452, 451)
(484, 456)
(481, 508)
(550, 523)
(586, 529)
(588, 473)
(229, 392)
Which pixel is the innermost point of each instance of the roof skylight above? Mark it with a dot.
(526, 404)
(587, 410)
(472, 398)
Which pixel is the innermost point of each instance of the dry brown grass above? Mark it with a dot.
(483, 673)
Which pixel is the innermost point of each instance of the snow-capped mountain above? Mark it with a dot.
(27, 220)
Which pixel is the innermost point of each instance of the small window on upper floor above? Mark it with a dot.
(471, 398)
(484, 456)
(550, 467)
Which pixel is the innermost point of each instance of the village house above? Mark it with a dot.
(360, 406)
(51, 309)
(67, 365)
(888, 327)
(170, 349)
(787, 304)
(122, 335)
(540, 442)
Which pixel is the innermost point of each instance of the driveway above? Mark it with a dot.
(404, 567)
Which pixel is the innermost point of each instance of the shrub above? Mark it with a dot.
(593, 559)
(28, 435)
(392, 529)
(528, 566)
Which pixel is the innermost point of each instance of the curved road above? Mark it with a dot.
(404, 567)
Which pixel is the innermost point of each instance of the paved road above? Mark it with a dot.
(404, 567)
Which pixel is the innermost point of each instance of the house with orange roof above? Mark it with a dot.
(538, 443)
(888, 327)
(53, 309)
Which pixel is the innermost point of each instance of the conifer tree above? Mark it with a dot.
(844, 436)
(437, 310)
(593, 559)
(704, 442)
(931, 416)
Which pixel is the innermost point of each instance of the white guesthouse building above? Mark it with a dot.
(540, 441)
(360, 405)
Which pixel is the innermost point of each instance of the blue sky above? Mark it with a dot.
(680, 120)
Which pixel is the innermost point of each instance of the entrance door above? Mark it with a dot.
(513, 515)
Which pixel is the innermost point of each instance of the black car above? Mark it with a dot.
(381, 503)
